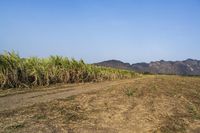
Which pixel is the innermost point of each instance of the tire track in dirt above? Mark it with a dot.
(11, 102)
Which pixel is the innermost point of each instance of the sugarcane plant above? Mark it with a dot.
(33, 71)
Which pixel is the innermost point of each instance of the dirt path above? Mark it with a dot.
(26, 99)
(149, 104)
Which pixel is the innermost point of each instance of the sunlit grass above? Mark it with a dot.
(33, 71)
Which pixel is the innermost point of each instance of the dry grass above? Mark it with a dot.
(158, 104)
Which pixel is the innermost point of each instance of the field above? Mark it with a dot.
(18, 72)
(154, 104)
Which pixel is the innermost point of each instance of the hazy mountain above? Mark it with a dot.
(186, 67)
(114, 64)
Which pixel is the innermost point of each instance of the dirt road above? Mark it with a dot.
(45, 95)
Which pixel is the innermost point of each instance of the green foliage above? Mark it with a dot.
(28, 72)
(129, 92)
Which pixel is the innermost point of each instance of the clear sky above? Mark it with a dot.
(97, 30)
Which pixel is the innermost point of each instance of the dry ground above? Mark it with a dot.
(155, 104)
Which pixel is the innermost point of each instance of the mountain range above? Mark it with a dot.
(186, 67)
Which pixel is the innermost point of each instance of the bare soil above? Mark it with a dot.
(152, 104)
(16, 99)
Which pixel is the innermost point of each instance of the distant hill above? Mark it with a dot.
(114, 64)
(186, 67)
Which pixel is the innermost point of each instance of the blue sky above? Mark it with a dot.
(97, 30)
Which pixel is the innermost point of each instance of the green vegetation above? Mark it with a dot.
(129, 92)
(28, 72)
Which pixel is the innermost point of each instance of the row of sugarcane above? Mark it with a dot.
(17, 72)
